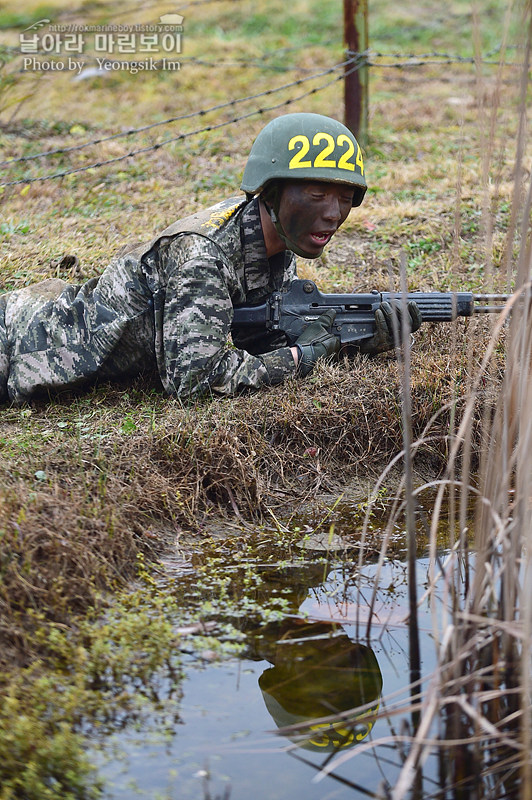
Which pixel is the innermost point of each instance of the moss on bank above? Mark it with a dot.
(95, 486)
(89, 483)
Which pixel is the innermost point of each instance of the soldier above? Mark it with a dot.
(168, 306)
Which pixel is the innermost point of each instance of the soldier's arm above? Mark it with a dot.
(193, 318)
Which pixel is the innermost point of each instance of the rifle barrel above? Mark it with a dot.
(498, 299)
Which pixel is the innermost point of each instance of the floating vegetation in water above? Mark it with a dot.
(186, 672)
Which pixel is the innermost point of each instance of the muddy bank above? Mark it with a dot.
(89, 483)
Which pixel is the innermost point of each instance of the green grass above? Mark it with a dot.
(419, 28)
(90, 484)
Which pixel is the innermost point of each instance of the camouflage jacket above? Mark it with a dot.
(165, 306)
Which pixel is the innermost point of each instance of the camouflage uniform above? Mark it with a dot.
(166, 306)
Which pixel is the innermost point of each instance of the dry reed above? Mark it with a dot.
(475, 711)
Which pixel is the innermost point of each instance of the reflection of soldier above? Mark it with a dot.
(318, 672)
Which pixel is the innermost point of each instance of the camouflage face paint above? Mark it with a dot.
(310, 213)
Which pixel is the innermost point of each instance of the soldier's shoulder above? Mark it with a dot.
(209, 220)
(218, 223)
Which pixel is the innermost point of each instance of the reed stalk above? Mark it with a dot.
(479, 699)
(482, 694)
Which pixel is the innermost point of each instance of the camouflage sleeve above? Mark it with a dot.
(193, 313)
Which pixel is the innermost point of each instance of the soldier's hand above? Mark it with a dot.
(383, 338)
(316, 342)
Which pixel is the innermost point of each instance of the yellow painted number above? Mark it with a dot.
(295, 161)
(321, 159)
(343, 142)
(359, 161)
(338, 737)
(345, 162)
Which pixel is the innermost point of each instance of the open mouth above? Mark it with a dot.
(321, 238)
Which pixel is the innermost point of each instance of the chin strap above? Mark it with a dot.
(271, 199)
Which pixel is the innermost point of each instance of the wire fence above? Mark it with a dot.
(181, 136)
(353, 62)
(407, 60)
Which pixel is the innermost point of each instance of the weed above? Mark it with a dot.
(94, 488)
(8, 229)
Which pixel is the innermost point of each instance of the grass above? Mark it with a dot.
(91, 484)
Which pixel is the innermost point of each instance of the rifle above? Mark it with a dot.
(292, 310)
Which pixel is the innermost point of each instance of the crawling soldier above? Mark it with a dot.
(167, 306)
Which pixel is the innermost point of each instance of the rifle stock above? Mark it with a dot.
(291, 311)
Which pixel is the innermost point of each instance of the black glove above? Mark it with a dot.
(383, 338)
(317, 341)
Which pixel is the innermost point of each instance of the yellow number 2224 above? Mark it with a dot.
(345, 145)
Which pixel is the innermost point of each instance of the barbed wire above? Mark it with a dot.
(365, 58)
(357, 60)
(410, 60)
(180, 117)
(433, 54)
(427, 62)
(423, 59)
(187, 134)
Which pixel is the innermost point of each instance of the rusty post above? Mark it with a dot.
(356, 99)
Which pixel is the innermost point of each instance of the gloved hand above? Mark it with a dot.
(383, 338)
(316, 342)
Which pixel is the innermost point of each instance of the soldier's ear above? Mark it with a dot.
(271, 194)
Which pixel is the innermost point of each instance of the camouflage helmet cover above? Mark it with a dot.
(305, 147)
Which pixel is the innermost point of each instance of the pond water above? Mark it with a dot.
(304, 652)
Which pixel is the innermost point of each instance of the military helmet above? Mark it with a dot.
(305, 147)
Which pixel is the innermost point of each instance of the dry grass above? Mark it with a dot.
(87, 483)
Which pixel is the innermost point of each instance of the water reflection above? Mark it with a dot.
(303, 671)
(318, 671)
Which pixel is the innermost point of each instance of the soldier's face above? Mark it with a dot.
(310, 212)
